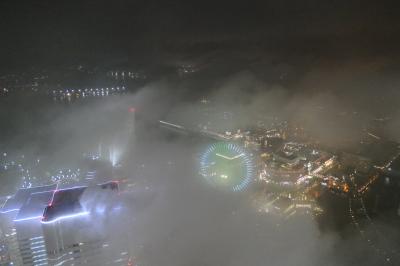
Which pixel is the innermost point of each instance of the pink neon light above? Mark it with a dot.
(52, 197)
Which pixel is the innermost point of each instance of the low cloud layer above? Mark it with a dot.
(175, 218)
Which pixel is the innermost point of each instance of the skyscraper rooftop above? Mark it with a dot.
(64, 203)
(22, 196)
(34, 206)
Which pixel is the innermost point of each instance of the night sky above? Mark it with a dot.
(43, 33)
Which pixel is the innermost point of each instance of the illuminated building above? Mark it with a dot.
(4, 254)
(17, 209)
(65, 226)
(74, 227)
(29, 230)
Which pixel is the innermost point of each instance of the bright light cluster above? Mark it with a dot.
(21, 168)
(87, 92)
(66, 176)
(227, 165)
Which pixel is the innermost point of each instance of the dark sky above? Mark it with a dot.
(56, 32)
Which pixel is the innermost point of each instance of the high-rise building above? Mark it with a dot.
(29, 229)
(75, 227)
(10, 213)
(4, 252)
(66, 226)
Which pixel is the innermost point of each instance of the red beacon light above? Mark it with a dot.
(132, 109)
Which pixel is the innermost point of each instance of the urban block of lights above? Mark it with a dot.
(21, 168)
(227, 165)
(65, 176)
(125, 75)
(87, 92)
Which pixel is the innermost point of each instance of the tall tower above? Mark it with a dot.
(23, 211)
(64, 226)
(131, 124)
(74, 227)
(29, 230)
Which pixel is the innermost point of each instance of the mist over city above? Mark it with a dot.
(199, 134)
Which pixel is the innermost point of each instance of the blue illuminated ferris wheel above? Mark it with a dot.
(227, 165)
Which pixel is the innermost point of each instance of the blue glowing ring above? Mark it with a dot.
(206, 161)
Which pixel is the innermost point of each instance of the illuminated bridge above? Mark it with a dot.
(194, 132)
